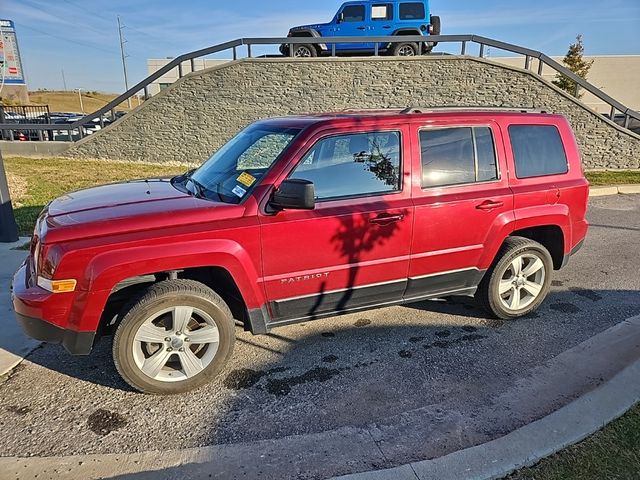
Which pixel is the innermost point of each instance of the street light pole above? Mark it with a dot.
(80, 97)
(124, 62)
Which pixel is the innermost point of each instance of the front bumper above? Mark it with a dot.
(34, 306)
(76, 343)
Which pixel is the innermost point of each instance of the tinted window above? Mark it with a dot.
(382, 12)
(352, 165)
(486, 153)
(353, 13)
(412, 11)
(537, 150)
(453, 156)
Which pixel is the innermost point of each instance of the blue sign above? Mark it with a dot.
(11, 71)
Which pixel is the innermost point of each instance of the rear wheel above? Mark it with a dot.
(176, 337)
(518, 281)
(406, 49)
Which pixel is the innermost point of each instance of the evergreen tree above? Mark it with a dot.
(574, 61)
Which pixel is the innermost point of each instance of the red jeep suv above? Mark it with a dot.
(301, 218)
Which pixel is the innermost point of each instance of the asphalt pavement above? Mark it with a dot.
(422, 380)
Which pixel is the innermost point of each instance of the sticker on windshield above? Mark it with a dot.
(246, 179)
(239, 191)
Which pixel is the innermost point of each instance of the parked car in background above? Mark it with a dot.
(370, 18)
(301, 218)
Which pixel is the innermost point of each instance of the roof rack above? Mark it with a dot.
(413, 110)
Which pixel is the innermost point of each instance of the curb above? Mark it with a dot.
(614, 190)
(529, 444)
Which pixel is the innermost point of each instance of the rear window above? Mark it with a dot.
(382, 11)
(456, 156)
(412, 11)
(537, 150)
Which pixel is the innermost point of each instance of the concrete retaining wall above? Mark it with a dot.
(196, 115)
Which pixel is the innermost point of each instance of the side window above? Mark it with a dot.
(353, 13)
(412, 11)
(537, 150)
(455, 156)
(382, 11)
(353, 165)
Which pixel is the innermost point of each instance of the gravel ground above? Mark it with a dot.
(443, 359)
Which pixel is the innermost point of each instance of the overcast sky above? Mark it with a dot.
(81, 36)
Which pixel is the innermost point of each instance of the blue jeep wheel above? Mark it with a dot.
(304, 51)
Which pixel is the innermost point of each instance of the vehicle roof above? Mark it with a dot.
(407, 115)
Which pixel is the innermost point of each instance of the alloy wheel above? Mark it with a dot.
(176, 344)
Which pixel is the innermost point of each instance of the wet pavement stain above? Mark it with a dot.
(557, 283)
(565, 307)
(328, 334)
(244, 378)
(103, 422)
(416, 339)
(469, 328)
(329, 359)
(405, 354)
(282, 386)
(362, 322)
(443, 333)
(590, 294)
(22, 411)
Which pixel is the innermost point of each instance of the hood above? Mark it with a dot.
(317, 26)
(128, 207)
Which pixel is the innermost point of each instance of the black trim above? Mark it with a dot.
(313, 307)
(338, 301)
(258, 318)
(76, 343)
(420, 287)
(573, 251)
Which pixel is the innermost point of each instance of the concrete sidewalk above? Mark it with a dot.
(14, 344)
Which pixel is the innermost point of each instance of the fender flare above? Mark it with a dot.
(107, 269)
(309, 32)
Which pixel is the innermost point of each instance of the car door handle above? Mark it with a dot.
(386, 219)
(387, 26)
(490, 205)
(361, 28)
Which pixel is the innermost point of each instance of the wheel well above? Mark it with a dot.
(216, 278)
(550, 236)
(407, 32)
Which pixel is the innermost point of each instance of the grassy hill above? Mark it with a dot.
(69, 101)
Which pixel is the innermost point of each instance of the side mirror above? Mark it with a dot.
(294, 194)
(341, 17)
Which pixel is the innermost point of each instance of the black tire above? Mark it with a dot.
(488, 295)
(403, 49)
(157, 298)
(305, 51)
(436, 25)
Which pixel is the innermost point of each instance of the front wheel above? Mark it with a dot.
(304, 51)
(518, 281)
(176, 337)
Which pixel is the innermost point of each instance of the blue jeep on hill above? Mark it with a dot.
(371, 18)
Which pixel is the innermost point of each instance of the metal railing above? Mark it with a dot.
(107, 114)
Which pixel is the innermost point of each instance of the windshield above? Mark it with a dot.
(231, 173)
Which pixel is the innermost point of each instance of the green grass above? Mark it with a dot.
(35, 182)
(613, 453)
(613, 178)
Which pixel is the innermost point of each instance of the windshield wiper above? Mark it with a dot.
(199, 188)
